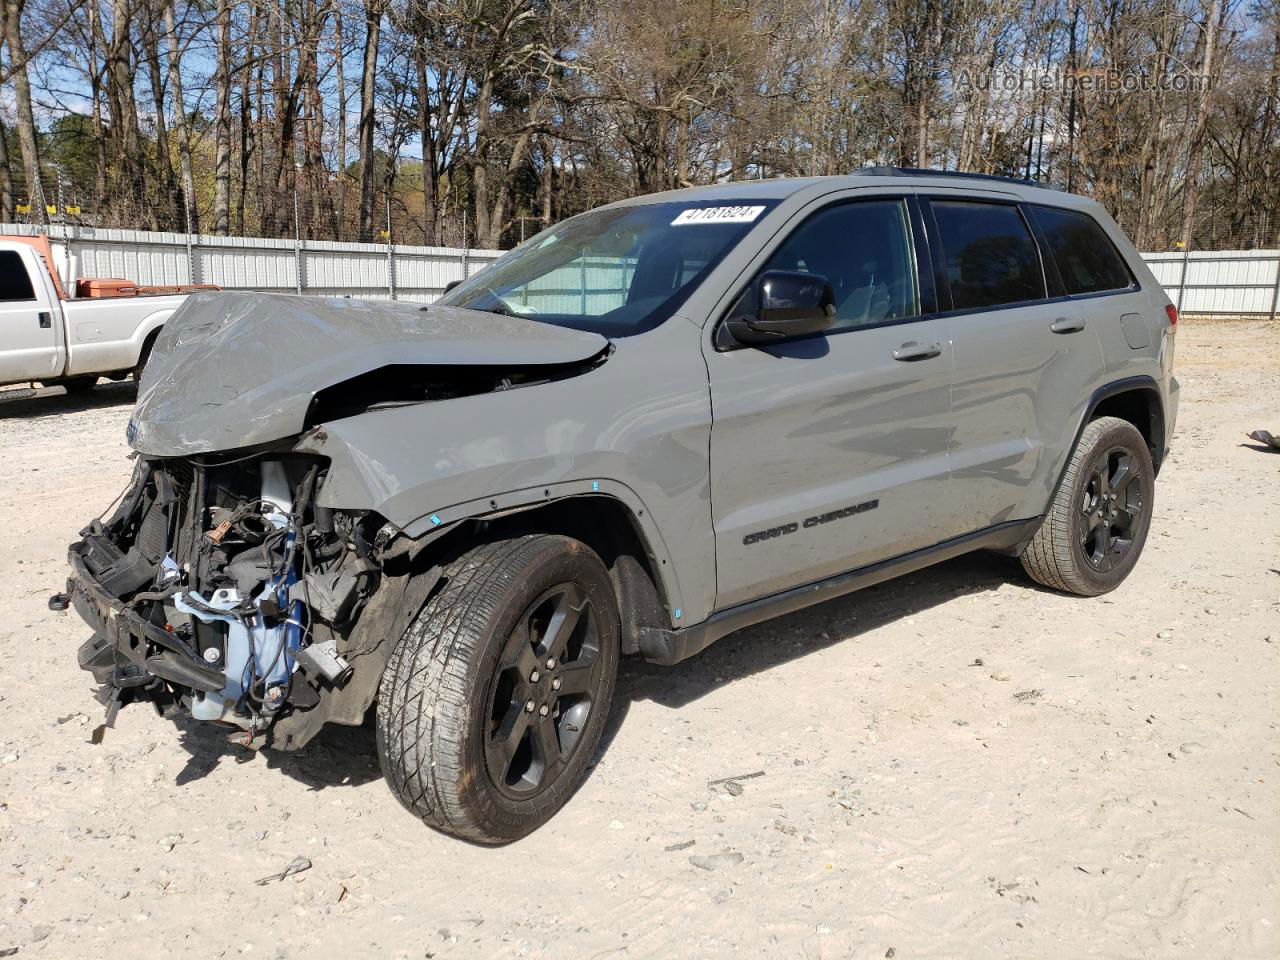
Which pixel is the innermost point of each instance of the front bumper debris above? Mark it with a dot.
(219, 590)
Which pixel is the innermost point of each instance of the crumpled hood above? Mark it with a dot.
(231, 370)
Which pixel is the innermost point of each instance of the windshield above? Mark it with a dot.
(614, 272)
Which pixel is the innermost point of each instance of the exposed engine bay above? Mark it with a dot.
(217, 587)
(270, 547)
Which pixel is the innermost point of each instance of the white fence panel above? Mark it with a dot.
(1219, 282)
(317, 267)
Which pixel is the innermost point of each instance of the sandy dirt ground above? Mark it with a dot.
(955, 764)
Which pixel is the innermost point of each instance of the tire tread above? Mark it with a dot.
(1051, 557)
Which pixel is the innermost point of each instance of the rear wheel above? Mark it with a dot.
(143, 356)
(1097, 524)
(494, 700)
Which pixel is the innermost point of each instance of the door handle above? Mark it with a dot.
(1067, 325)
(912, 351)
(46, 319)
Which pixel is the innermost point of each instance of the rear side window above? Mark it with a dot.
(1086, 257)
(15, 282)
(990, 254)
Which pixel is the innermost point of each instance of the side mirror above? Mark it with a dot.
(788, 304)
(451, 284)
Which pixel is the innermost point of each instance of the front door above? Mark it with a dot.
(28, 335)
(830, 452)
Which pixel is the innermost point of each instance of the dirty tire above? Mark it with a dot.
(79, 386)
(448, 676)
(1064, 552)
(143, 357)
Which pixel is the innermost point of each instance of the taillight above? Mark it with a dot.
(1172, 312)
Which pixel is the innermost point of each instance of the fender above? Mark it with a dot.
(426, 528)
(149, 325)
(1155, 405)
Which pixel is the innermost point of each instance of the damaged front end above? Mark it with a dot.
(218, 587)
(224, 584)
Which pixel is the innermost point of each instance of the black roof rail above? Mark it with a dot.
(919, 172)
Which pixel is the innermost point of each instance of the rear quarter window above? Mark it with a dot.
(1087, 259)
(15, 282)
(991, 257)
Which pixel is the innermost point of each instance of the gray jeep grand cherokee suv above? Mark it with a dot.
(648, 426)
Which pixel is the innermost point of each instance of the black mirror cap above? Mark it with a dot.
(450, 285)
(790, 304)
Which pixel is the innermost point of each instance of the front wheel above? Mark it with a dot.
(494, 700)
(1098, 521)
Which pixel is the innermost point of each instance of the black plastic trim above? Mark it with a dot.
(949, 174)
(671, 646)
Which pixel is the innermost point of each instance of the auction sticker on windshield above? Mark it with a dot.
(737, 214)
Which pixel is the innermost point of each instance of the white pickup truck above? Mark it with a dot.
(47, 336)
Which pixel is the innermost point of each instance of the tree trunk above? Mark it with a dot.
(27, 140)
(430, 202)
(6, 181)
(96, 43)
(191, 213)
(1195, 144)
(155, 74)
(368, 89)
(126, 138)
(339, 54)
(222, 124)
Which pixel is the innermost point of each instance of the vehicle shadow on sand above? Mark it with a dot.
(773, 643)
(338, 756)
(18, 403)
(347, 756)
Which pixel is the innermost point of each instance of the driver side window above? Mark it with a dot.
(864, 250)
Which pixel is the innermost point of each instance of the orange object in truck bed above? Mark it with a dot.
(101, 288)
(95, 287)
(169, 289)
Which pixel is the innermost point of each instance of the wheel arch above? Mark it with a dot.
(145, 334)
(617, 529)
(1137, 400)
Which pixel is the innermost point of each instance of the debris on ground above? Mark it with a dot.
(1265, 438)
(716, 860)
(731, 785)
(298, 865)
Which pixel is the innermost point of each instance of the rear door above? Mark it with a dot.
(830, 452)
(30, 324)
(1024, 355)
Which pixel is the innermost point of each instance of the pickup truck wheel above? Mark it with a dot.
(1098, 521)
(493, 701)
(143, 357)
(79, 386)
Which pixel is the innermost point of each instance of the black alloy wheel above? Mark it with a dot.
(548, 681)
(1112, 508)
